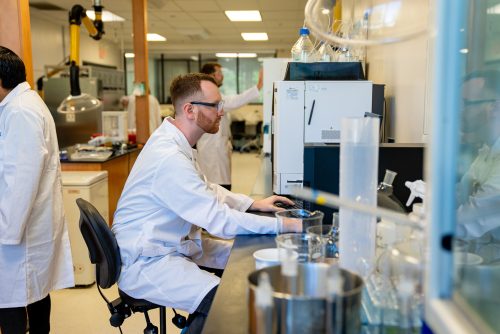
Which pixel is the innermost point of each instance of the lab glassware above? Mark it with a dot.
(300, 217)
(329, 240)
(358, 181)
(303, 50)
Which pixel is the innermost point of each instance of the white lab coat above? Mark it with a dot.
(35, 255)
(481, 184)
(214, 150)
(154, 113)
(157, 224)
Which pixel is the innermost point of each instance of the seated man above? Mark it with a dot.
(166, 202)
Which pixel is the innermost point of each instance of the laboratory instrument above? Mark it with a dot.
(310, 112)
(78, 101)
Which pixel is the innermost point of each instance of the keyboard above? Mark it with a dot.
(298, 204)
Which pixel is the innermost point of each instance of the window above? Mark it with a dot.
(239, 73)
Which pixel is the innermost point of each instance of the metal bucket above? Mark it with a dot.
(305, 311)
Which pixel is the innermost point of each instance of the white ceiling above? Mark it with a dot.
(198, 26)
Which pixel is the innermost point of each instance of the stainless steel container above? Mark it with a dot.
(305, 311)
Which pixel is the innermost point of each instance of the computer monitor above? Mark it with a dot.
(322, 162)
(324, 71)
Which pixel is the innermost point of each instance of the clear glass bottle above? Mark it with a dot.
(385, 196)
(303, 50)
(325, 53)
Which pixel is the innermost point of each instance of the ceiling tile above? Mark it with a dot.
(281, 15)
(209, 16)
(197, 5)
(238, 5)
(217, 24)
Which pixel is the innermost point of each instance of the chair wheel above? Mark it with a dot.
(179, 321)
(116, 319)
(151, 329)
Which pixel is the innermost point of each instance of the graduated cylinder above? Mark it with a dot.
(359, 141)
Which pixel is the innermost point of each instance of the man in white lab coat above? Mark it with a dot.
(214, 150)
(35, 255)
(166, 202)
(154, 112)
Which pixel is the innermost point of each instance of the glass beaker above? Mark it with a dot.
(295, 248)
(302, 218)
(329, 241)
(301, 247)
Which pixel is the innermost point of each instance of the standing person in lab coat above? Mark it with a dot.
(35, 255)
(154, 112)
(166, 202)
(214, 150)
(479, 187)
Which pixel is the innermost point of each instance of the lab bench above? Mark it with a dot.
(229, 311)
(118, 166)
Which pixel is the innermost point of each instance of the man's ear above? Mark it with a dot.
(188, 110)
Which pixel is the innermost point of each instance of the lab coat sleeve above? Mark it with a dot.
(235, 201)
(24, 156)
(233, 102)
(185, 193)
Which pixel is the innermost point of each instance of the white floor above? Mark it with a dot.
(82, 311)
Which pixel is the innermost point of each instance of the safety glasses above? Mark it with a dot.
(219, 105)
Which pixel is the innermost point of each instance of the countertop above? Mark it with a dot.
(229, 309)
(116, 154)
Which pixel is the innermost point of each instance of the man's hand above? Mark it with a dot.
(267, 204)
(261, 79)
(289, 225)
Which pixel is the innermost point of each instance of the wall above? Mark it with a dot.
(404, 68)
(47, 44)
(50, 43)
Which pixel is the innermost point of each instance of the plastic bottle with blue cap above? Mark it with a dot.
(303, 50)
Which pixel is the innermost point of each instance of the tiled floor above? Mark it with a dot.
(82, 311)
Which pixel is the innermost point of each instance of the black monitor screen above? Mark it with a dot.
(324, 71)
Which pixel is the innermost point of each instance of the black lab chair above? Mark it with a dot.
(105, 254)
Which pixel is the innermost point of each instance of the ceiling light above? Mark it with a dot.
(107, 16)
(156, 38)
(235, 55)
(129, 55)
(493, 10)
(194, 58)
(226, 55)
(243, 15)
(254, 36)
(247, 55)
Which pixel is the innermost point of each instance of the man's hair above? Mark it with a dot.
(187, 86)
(12, 70)
(210, 68)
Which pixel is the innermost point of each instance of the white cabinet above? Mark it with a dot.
(92, 187)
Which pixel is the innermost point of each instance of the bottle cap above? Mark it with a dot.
(304, 31)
